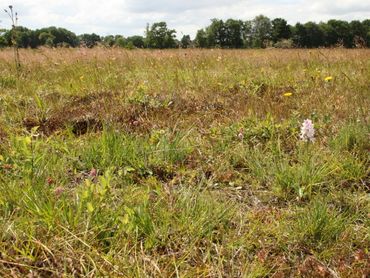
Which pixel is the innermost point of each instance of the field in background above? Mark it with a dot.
(184, 163)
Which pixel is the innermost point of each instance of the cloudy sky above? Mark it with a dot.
(128, 17)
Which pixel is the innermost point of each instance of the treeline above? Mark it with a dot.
(261, 32)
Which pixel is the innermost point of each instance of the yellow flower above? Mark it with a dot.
(328, 79)
(287, 94)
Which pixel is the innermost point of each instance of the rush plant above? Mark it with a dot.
(13, 15)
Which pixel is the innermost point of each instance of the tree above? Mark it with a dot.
(216, 33)
(299, 35)
(315, 36)
(185, 41)
(234, 33)
(261, 31)
(3, 42)
(358, 32)
(46, 38)
(366, 23)
(108, 40)
(338, 32)
(136, 41)
(159, 36)
(65, 37)
(53, 36)
(89, 40)
(280, 30)
(201, 39)
(247, 34)
(23, 37)
(120, 41)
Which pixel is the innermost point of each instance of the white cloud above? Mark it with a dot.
(130, 17)
(342, 7)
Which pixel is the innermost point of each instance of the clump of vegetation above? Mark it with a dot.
(184, 163)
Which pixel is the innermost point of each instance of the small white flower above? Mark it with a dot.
(307, 131)
(241, 134)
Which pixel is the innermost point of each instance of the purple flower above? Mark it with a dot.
(307, 131)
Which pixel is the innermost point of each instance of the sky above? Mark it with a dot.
(129, 17)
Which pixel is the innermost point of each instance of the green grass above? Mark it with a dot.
(184, 163)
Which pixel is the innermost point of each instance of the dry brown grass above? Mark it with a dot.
(187, 86)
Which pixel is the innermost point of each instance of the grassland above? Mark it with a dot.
(184, 163)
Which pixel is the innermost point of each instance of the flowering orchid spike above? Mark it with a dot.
(307, 131)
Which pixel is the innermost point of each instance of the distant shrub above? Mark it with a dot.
(284, 44)
(130, 45)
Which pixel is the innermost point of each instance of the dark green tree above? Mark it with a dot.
(47, 39)
(366, 24)
(216, 33)
(299, 35)
(89, 40)
(108, 41)
(53, 36)
(315, 36)
(280, 30)
(261, 31)
(159, 36)
(247, 34)
(185, 41)
(338, 33)
(358, 33)
(3, 42)
(24, 37)
(234, 33)
(201, 40)
(136, 41)
(120, 41)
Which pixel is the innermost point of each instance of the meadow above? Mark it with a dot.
(184, 163)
